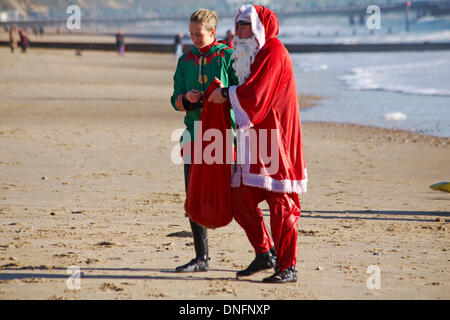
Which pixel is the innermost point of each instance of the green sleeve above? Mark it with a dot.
(178, 83)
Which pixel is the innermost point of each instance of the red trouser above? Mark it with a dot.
(284, 214)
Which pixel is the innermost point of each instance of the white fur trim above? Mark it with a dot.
(242, 117)
(248, 11)
(284, 186)
(242, 174)
(236, 176)
(267, 183)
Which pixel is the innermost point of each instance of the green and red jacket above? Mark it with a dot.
(197, 71)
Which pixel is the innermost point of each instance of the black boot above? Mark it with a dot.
(200, 263)
(288, 275)
(261, 262)
(274, 254)
(195, 265)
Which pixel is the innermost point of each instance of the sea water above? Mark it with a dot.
(362, 88)
(398, 90)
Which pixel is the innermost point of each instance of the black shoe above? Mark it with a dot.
(195, 265)
(274, 254)
(261, 262)
(288, 275)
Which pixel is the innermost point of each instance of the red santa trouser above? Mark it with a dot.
(284, 213)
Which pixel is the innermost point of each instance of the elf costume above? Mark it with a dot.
(196, 69)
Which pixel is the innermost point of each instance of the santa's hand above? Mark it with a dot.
(193, 96)
(216, 97)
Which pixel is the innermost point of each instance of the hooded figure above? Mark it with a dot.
(270, 162)
(268, 100)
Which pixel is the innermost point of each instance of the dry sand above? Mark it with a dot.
(86, 180)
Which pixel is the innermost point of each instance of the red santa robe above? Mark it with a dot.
(265, 102)
(267, 117)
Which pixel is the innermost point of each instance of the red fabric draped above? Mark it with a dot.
(208, 197)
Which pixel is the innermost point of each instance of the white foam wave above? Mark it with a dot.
(410, 78)
(395, 116)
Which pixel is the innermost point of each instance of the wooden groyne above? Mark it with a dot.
(293, 48)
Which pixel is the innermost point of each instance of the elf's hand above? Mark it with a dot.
(193, 96)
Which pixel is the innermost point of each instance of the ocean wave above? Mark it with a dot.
(409, 78)
(401, 37)
(338, 30)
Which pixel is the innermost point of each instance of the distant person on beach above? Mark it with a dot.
(120, 43)
(229, 39)
(24, 42)
(265, 104)
(178, 46)
(12, 38)
(195, 71)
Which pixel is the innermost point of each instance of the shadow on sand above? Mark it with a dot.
(372, 215)
(86, 273)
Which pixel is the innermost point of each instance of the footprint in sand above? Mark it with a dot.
(110, 286)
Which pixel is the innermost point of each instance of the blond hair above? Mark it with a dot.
(206, 17)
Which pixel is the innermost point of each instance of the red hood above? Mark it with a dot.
(269, 20)
(264, 22)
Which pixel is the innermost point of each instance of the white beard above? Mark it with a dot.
(244, 54)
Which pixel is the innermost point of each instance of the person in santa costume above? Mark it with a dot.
(196, 70)
(267, 115)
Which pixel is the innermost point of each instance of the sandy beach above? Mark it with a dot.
(86, 180)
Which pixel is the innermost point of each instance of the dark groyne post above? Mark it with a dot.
(407, 9)
(351, 19)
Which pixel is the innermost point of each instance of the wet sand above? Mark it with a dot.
(86, 180)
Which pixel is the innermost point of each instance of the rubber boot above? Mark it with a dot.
(200, 263)
(200, 235)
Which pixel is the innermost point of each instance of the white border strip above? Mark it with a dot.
(267, 183)
(242, 118)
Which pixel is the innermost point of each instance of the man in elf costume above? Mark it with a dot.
(266, 102)
(195, 71)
